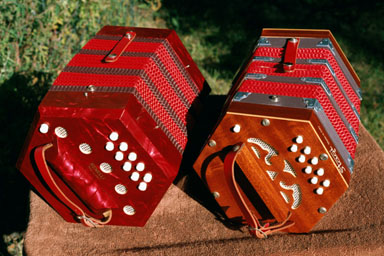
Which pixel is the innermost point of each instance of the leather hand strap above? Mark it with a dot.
(120, 47)
(290, 54)
(254, 225)
(45, 172)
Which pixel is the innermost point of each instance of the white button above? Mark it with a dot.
(308, 170)
(307, 150)
(123, 146)
(114, 136)
(120, 189)
(44, 128)
(314, 180)
(326, 183)
(127, 166)
(299, 139)
(319, 191)
(320, 172)
(301, 159)
(109, 146)
(129, 210)
(135, 176)
(119, 156)
(140, 166)
(142, 186)
(105, 167)
(147, 177)
(236, 128)
(293, 148)
(132, 156)
(315, 161)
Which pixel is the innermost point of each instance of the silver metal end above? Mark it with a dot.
(323, 157)
(274, 98)
(211, 143)
(265, 122)
(322, 210)
(236, 148)
(216, 194)
(91, 88)
(112, 55)
(293, 40)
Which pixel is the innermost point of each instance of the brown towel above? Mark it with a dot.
(182, 226)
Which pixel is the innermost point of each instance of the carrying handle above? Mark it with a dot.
(290, 54)
(120, 47)
(254, 226)
(45, 172)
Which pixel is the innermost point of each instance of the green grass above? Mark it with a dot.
(38, 38)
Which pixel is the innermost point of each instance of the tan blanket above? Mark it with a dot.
(182, 226)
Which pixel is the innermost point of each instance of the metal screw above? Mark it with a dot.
(293, 40)
(112, 55)
(211, 143)
(236, 148)
(322, 210)
(129, 36)
(265, 122)
(323, 157)
(274, 98)
(91, 88)
(216, 194)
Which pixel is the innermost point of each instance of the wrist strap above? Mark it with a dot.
(254, 226)
(81, 214)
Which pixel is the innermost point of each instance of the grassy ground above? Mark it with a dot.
(37, 39)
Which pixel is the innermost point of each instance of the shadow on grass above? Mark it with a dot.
(19, 97)
(238, 24)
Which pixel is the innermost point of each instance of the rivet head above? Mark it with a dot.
(211, 143)
(91, 88)
(323, 157)
(112, 56)
(293, 40)
(322, 210)
(274, 98)
(265, 122)
(216, 194)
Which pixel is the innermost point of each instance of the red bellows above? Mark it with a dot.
(282, 153)
(108, 137)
